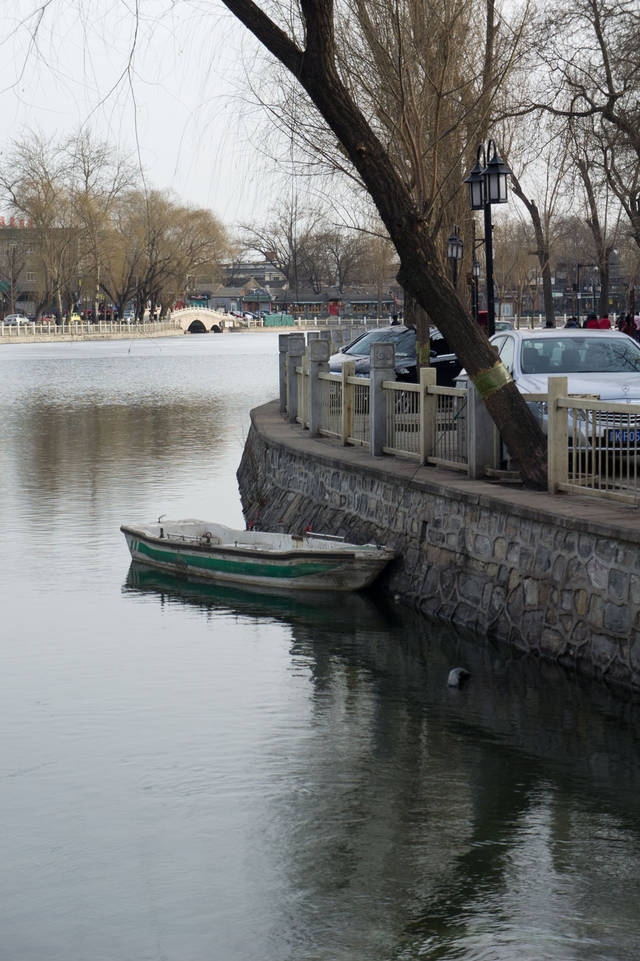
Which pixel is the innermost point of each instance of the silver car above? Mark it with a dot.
(604, 364)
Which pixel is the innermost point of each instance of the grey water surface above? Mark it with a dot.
(192, 773)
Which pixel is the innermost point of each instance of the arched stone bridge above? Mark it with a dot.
(197, 320)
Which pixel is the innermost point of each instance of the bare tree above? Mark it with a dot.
(591, 50)
(13, 259)
(286, 242)
(310, 53)
(543, 161)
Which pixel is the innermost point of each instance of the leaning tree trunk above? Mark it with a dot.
(420, 271)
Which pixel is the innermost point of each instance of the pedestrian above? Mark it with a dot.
(626, 325)
(604, 323)
(572, 322)
(592, 322)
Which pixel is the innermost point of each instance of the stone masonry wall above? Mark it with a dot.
(543, 584)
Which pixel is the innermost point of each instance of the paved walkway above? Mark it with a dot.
(601, 516)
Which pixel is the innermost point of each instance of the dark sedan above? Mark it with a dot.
(442, 359)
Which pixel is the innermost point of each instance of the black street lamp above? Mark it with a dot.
(488, 185)
(475, 277)
(455, 248)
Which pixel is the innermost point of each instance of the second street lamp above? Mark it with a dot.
(488, 185)
(455, 249)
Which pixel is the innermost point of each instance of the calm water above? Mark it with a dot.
(192, 774)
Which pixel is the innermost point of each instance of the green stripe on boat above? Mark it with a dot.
(262, 568)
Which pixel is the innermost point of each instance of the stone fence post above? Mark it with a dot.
(557, 434)
(294, 359)
(428, 410)
(318, 364)
(283, 347)
(481, 434)
(382, 368)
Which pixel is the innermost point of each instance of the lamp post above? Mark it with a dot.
(488, 185)
(455, 249)
(475, 277)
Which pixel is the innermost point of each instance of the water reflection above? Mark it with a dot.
(416, 817)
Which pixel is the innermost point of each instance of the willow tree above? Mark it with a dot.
(312, 53)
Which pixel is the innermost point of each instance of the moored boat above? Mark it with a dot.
(203, 549)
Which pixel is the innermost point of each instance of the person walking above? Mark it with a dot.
(604, 323)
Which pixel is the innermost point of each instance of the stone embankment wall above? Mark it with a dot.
(555, 584)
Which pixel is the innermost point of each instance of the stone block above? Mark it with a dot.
(499, 548)
(617, 618)
(586, 545)
(531, 592)
(619, 584)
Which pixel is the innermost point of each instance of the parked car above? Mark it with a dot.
(14, 320)
(598, 363)
(443, 360)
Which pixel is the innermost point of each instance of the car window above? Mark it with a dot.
(507, 352)
(579, 355)
(403, 340)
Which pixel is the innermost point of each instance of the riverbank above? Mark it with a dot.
(556, 576)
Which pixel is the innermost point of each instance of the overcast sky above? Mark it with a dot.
(171, 84)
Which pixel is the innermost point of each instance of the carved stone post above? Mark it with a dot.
(382, 368)
(318, 364)
(283, 347)
(480, 435)
(294, 359)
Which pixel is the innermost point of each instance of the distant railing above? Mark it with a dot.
(593, 445)
(78, 328)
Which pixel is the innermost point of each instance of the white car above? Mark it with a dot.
(604, 364)
(14, 320)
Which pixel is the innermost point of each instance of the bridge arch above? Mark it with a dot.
(198, 320)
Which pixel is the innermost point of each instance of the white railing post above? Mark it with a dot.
(348, 370)
(318, 364)
(428, 408)
(557, 434)
(480, 435)
(283, 347)
(294, 359)
(382, 368)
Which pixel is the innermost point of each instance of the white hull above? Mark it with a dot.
(213, 552)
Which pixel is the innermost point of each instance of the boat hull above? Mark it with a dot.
(303, 567)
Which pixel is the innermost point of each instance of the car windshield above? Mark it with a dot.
(404, 341)
(579, 355)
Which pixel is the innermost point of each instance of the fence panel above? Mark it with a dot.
(331, 405)
(403, 419)
(358, 388)
(450, 439)
(604, 449)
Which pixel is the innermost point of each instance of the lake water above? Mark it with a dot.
(198, 774)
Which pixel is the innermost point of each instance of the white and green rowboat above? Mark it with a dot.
(214, 552)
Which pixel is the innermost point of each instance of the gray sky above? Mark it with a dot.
(171, 84)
